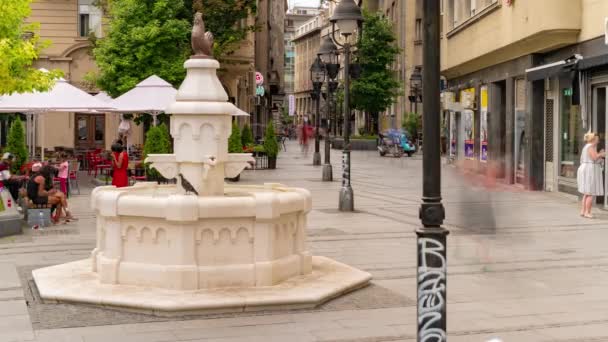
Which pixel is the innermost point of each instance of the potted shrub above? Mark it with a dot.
(15, 144)
(271, 146)
(246, 136)
(235, 145)
(157, 142)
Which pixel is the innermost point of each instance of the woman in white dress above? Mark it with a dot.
(589, 175)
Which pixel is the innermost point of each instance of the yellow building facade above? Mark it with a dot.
(540, 64)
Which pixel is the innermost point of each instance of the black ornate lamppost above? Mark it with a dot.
(431, 237)
(348, 19)
(328, 54)
(415, 85)
(317, 76)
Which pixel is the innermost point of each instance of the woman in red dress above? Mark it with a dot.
(120, 163)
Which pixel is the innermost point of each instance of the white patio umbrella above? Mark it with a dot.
(63, 97)
(152, 95)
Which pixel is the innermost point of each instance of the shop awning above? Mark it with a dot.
(593, 62)
(552, 69)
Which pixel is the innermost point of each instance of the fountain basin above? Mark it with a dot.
(150, 235)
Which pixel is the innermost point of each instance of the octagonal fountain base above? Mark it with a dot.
(75, 283)
(163, 252)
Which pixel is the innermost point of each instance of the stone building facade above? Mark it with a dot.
(270, 62)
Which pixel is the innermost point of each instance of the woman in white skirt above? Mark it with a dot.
(589, 175)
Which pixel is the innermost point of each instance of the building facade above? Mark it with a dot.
(306, 41)
(67, 25)
(504, 102)
(269, 62)
(294, 18)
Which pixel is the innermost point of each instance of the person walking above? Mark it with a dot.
(589, 174)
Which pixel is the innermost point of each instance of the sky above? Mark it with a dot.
(304, 3)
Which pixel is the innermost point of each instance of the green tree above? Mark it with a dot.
(20, 46)
(247, 135)
(15, 144)
(234, 141)
(153, 37)
(377, 87)
(143, 38)
(156, 143)
(271, 145)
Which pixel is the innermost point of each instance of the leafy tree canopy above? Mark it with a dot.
(153, 37)
(20, 46)
(143, 38)
(376, 88)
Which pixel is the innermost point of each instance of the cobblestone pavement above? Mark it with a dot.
(522, 266)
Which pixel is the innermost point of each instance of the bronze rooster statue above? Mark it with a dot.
(202, 42)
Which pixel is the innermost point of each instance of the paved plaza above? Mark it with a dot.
(522, 266)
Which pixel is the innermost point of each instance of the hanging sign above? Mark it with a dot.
(259, 90)
(292, 105)
(259, 78)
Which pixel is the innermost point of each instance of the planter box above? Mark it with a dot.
(355, 144)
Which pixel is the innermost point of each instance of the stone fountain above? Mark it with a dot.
(200, 245)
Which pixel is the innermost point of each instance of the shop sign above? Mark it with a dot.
(259, 90)
(259, 78)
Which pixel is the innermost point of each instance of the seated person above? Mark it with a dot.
(40, 193)
(10, 181)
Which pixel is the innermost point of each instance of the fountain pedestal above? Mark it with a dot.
(163, 249)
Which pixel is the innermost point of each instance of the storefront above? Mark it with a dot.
(575, 102)
(493, 128)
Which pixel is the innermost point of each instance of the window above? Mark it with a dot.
(459, 11)
(570, 140)
(418, 29)
(89, 18)
(83, 29)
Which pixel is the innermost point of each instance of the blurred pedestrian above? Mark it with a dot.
(589, 174)
(304, 137)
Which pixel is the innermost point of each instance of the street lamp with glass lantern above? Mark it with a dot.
(348, 19)
(415, 86)
(328, 54)
(317, 76)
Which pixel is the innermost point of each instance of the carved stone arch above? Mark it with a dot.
(70, 50)
(183, 125)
